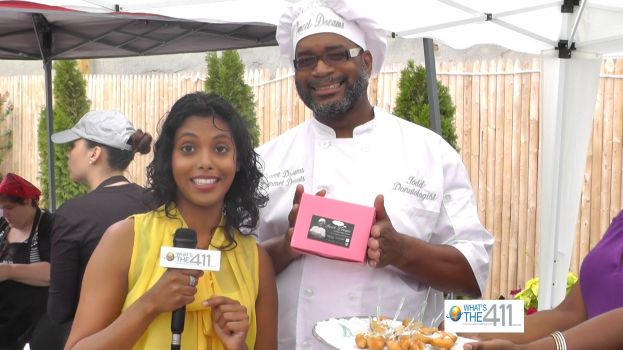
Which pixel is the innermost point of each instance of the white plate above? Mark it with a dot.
(339, 333)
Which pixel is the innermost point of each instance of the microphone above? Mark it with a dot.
(183, 238)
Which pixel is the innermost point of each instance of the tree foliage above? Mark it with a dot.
(6, 137)
(226, 78)
(412, 102)
(70, 104)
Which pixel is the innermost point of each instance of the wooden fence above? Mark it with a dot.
(497, 122)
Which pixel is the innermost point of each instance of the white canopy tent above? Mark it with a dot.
(571, 36)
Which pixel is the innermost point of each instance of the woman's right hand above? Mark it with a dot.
(491, 345)
(173, 290)
(474, 336)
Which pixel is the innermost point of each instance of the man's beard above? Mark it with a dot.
(335, 110)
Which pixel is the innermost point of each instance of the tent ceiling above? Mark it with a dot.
(77, 34)
(525, 26)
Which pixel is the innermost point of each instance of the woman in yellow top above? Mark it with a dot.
(206, 177)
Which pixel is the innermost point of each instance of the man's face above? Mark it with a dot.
(331, 90)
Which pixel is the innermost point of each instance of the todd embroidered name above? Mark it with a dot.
(415, 187)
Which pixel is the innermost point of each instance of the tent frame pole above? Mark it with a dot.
(431, 85)
(47, 67)
(44, 39)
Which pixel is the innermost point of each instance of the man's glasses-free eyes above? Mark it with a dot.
(331, 58)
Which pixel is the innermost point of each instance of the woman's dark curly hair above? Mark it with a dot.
(244, 197)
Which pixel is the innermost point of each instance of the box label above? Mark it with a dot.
(330, 231)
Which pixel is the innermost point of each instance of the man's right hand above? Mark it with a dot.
(287, 239)
(296, 203)
(279, 249)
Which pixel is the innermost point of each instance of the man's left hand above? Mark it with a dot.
(385, 245)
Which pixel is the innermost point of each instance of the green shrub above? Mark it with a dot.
(226, 78)
(530, 294)
(70, 104)
(412, 102)
(6, 137)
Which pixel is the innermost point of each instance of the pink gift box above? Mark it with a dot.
(332, 228)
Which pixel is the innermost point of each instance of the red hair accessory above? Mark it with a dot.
(15, 186)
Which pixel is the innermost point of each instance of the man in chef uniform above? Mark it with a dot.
(427, 231)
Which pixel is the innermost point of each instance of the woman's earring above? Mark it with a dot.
(90, 161)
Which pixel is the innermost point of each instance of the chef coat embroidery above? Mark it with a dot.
(415, 187)
(286, 178)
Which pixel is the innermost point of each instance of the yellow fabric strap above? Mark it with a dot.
(238, 279)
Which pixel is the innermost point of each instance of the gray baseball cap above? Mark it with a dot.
(110, 128)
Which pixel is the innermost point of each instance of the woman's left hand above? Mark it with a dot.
(230, 321)
(491, 345)
(4, 272)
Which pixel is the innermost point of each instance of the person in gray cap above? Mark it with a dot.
(427, 232)
(101, 146)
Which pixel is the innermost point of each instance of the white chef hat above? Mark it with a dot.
(307, 17)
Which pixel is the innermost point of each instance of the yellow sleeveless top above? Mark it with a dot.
(238, 279)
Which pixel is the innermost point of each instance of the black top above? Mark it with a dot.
(78, 227)
(21, 305)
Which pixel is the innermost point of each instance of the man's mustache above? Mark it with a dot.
(324, 81)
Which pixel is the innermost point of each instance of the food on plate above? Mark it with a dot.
(361, 341)
(445, 341)
(376, 342)
(384, 333)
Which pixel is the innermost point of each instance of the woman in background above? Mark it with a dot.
(24, 260)
(101, 147)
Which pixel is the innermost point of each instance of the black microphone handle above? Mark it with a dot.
(177, 327)
(183, 238)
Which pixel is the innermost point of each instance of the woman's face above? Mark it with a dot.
(78, 155)
(16, 214)
(203, 161)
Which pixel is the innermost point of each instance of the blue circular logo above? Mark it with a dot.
(455, 313)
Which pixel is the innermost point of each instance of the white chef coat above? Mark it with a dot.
(427, 195)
